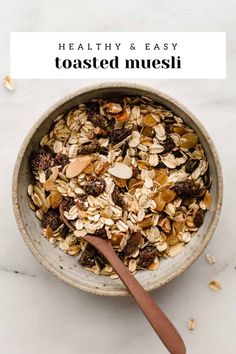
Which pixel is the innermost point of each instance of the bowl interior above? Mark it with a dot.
(66, 267)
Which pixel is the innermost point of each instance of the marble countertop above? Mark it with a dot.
(38, 313)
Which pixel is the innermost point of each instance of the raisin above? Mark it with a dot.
(124, 149)
(81, 202)
(95, 186)
(101, 233)
(103, 151)
(42, 160)
(52, 219)
(177, 153)
(132, 243)
(89, 148)
(68, 203)
(186, 189)
(168, 144)
(117, 135)
(87, 257)
(147, 256)
(160, 165)
(64, 232)
(135, 172)
(61, 160)
(191, 166)
(198, 219)
(206, 179)
(103, 122)
(117, 197)
(92, 108)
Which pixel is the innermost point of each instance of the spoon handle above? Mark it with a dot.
(158, 320)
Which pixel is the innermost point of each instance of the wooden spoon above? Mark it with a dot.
(158, 320)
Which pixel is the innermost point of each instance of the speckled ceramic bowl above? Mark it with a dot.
(68, 269)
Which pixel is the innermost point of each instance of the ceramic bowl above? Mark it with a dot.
(66, 267)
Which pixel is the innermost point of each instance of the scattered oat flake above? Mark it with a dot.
(215, 285)
(191, 324)
(210, 259)
(9, 83)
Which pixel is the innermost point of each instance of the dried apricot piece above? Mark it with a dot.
(145, 223)
(161, 176)
(160, 204)
(168, 195)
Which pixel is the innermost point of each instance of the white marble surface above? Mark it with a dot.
(39, 314)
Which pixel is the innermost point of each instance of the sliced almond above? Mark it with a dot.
(49, 184)
(207, 200)
(176, 249)
(78, 166)
(121, 170)
(112, 107)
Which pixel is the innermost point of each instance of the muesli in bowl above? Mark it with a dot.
(124, 168)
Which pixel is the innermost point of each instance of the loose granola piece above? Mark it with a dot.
(215, 285)
(191, 324)
(210, 259)
(186, 189)
(52, 219)
(9, 83)
(118, 135)
(147, 256)
(41, 161)
(132, 243)
(89, 148)
(95, 186)
(117, 197)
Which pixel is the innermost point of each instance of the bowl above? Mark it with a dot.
(66, 267)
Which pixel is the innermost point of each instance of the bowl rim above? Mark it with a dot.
(15, 187)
